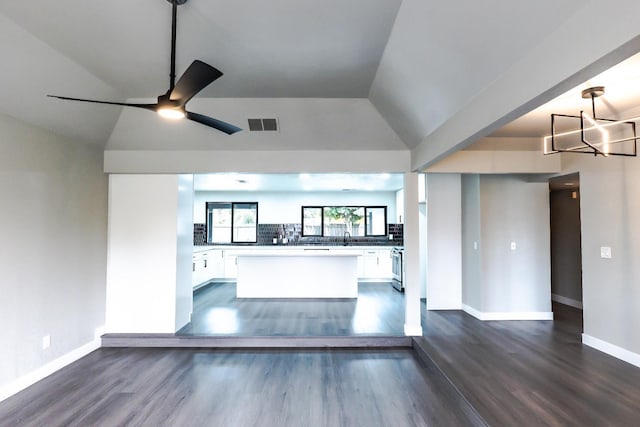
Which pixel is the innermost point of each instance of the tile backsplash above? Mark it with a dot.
(267, 232)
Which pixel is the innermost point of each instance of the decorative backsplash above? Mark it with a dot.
(292, 232)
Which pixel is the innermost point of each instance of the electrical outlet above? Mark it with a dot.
(46, 342)
(513, 246)
(605, 252)
(475, 245)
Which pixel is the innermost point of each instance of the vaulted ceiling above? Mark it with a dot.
(338, 74)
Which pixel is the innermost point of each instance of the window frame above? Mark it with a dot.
(232, 238)
(322, 217)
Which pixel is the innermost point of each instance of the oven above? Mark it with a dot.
(397, 268)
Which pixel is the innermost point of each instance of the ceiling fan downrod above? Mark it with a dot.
(174, 19)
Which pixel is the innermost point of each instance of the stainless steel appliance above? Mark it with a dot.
(397, 268)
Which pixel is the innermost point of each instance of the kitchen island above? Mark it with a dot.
(298, 273)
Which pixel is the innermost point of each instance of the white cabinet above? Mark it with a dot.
(214, 264)
(376, 264)
(230, 266)
(206, 265)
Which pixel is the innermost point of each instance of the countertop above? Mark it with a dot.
(294, 248)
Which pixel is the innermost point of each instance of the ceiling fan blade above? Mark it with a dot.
(196, 78)
(152, 107)
(214, 123)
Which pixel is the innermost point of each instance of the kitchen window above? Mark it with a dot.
(358, 221)
(232, 222)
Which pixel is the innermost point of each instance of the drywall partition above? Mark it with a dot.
(610, 208)
(149, 218)
(514, 217)
(444, 270)
(505, 248)
(471, 242)
(566, 257)
(184, 260)
(412, 259)
(53, 224)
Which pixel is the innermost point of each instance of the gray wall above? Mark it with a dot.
(53, 254)
(566, 257)
(471, 242)
(444, 268)
(510, 210)
(610, 216)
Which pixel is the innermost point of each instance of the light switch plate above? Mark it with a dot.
(605, 252)
(513, 246)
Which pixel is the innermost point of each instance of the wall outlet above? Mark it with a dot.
(390, 236)
(46, 342)
(513, 246)
(475, 245)
(605, 252)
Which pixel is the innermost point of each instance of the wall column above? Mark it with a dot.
(412, 325)
(444, 242)
(150, 241)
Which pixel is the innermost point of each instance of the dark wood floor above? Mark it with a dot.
(524, 373)
(378, 310)
(188, 387)
(507, 373)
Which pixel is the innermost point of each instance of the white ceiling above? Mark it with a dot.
(298, 182)
(339, 74)
(621, 97)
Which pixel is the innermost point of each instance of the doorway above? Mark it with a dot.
(566, 243)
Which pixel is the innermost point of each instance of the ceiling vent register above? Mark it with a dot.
(260, 125)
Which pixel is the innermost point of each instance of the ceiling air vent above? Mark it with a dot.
(259, 125)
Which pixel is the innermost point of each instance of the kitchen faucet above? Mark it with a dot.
(346, 238)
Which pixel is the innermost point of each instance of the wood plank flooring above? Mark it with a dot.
(188, 387)
(524, 373)
(378, 310)
(461, 372)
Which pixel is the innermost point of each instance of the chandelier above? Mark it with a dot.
(589, 134)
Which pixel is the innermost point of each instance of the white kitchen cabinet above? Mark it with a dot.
(197, 269)
(215, 264)
(206, 265)
(230, 266)
(376, 264)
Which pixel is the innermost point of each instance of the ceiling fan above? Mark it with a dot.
(172, 104)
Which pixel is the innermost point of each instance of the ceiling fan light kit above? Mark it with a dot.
(590, 134)
(172, 104)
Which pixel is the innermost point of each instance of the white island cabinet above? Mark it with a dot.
(300, 273)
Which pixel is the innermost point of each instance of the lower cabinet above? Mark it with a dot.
(207, 265)
(374, 264)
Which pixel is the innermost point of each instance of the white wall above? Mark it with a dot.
(286, 207)
(609, 213)
(184, 285)
(149, 219)
(53, 225)
(444, 269)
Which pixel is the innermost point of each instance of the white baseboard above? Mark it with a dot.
(19, 384)
(412, 331)
(566, 301)
(508, 315)
(612, 350)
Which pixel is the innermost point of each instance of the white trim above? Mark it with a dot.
(412, 331)
(508, 315)
(566, 301)
(612, 350)
(19, 384)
